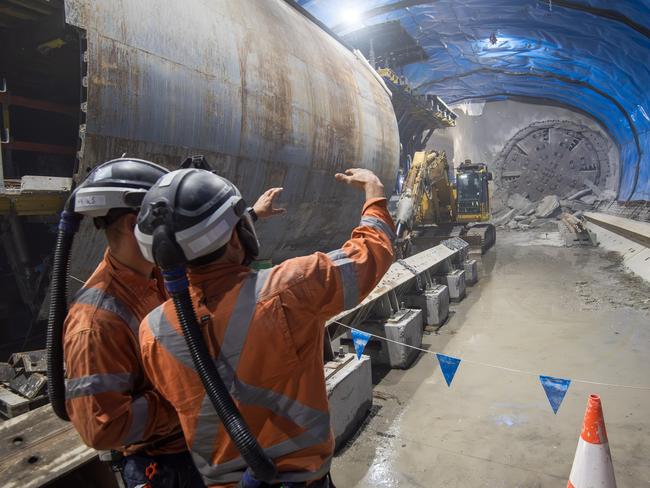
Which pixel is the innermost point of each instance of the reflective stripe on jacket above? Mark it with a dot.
(265, 331)
(108, 398)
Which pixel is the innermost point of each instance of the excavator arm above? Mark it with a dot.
(427, 196)
(430, 203)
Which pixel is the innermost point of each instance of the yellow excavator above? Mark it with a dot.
(431, 208)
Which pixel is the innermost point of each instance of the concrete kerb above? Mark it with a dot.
(383, 312)
(414, 279)
(456, 283)
(405, 327)
(348, 382)
(434, 303)
(471, 271)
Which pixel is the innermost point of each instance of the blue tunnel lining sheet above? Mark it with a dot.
(595, 61)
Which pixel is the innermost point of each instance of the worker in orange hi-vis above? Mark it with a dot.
(253, 338)
(108, 397)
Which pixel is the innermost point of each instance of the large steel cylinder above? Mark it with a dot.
(268, 96)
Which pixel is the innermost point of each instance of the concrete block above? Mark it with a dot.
(12, 405)
(45, 184)
(32, 361)
(33, 386)
(548, 206)
(18, 383)
(471, 272)
(349, 391)
(404, 327)
(7, 372)
(434, 303)
(456, 283)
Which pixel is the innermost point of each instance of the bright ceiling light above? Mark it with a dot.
(351, 16)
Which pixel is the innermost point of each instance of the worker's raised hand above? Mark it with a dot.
(364, 179)
(264, 207)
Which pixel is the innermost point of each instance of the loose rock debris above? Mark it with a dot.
(551, 213)
(23, 383)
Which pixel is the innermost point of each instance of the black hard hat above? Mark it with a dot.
(117, 184)
(200, 210)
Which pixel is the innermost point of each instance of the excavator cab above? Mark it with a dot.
(472, 194)
(430, 208)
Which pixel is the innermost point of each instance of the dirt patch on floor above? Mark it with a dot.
(617, 288)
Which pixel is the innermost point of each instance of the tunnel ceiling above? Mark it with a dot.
(590, 55)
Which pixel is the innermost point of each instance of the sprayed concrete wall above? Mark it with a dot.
(484, 130)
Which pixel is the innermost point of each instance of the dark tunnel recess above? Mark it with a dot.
(41, 66)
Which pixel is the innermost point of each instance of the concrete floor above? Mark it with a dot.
(557, 311)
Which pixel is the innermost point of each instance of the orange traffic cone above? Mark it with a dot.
(592, 465)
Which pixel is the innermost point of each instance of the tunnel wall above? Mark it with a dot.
(483, 129)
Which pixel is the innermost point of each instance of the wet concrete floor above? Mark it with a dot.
(567, 312)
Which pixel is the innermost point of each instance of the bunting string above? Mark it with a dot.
(495, 366)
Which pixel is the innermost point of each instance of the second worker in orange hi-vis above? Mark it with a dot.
(264, 329)
(108, 397)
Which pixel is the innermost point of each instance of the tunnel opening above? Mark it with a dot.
(41, 66)
(547, 159)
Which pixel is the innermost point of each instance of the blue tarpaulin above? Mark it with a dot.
(591, 55)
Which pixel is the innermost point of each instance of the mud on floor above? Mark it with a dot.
(617, 289)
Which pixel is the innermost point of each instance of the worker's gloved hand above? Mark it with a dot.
(264, 205)
(363, 179)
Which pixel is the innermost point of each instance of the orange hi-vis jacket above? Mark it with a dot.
(265, 329)
(110, 401)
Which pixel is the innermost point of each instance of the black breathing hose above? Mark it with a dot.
(68, 226)
(262, 467)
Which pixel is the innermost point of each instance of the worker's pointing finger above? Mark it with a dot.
(342, 178)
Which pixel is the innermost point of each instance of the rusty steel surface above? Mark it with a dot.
(269, 97)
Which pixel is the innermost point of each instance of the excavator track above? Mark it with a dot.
(481, 236)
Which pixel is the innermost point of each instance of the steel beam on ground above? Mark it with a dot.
(634, 230)
(398, 280)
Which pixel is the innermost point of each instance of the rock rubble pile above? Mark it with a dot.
(520, 213)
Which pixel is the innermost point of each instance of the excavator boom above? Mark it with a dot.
(430, 204)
